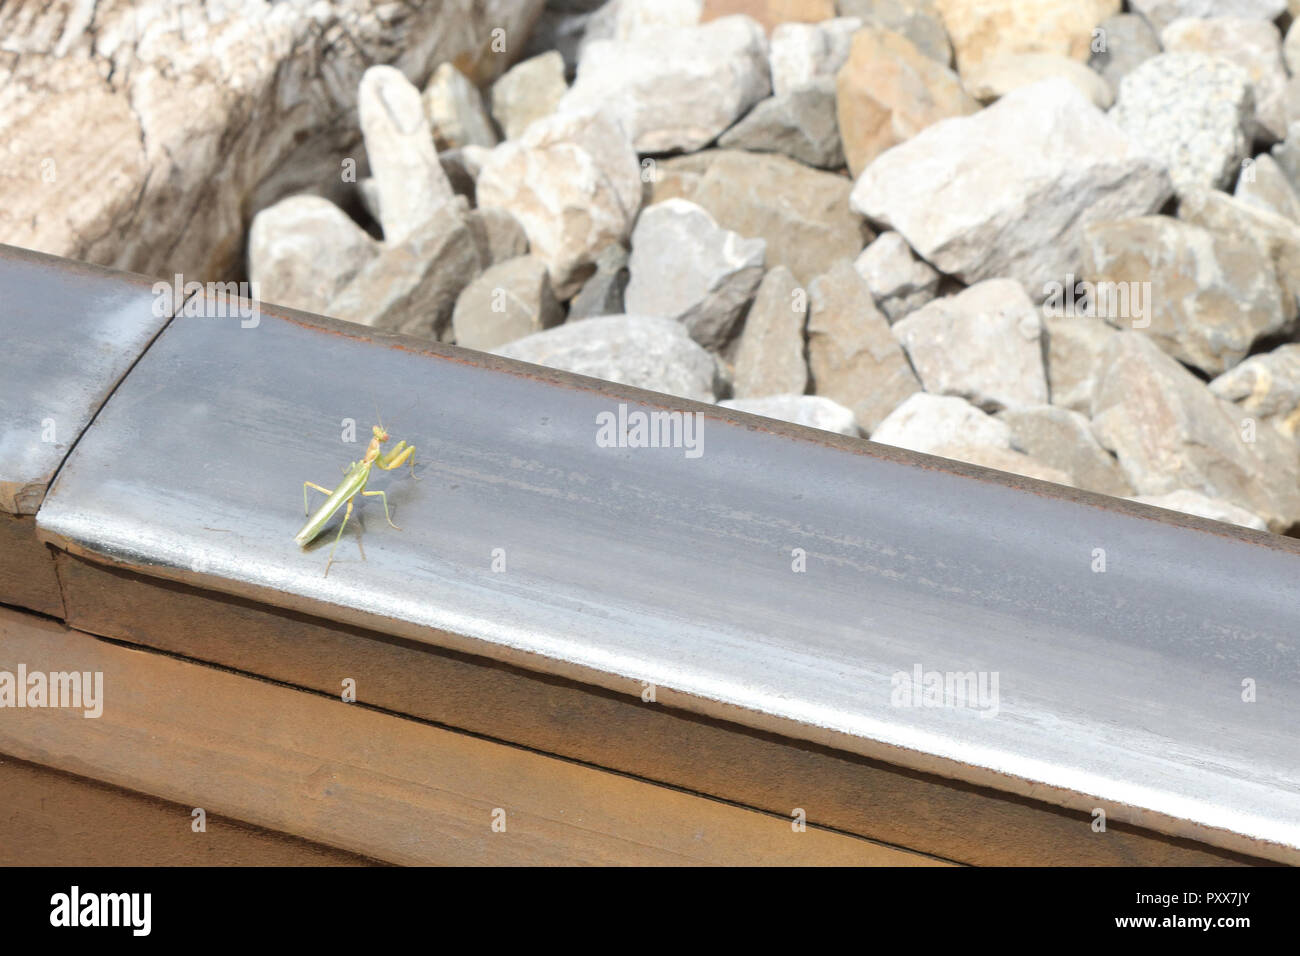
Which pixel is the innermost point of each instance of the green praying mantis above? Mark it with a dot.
(354, 481)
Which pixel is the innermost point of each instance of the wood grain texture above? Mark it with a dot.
(371, 783)
(49, 818)
(842, 791)
(27, 577)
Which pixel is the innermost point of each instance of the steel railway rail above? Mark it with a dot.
(785, 585)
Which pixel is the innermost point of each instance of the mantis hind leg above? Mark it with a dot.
(387, 516)
(346, 515)
(311, 484)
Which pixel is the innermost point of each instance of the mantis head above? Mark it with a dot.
(380, 434)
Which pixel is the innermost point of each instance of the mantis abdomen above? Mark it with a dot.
(352, 483)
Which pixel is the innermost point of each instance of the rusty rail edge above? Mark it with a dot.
(785, 579)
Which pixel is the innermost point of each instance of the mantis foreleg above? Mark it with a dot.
(399, 456)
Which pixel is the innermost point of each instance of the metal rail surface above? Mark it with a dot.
(71, 331)
(783, 579)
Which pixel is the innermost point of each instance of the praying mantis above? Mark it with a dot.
(354, 481)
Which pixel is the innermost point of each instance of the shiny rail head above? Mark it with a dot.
(71, 331)
(785, 579)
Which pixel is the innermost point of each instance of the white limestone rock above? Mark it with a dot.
(509, 301)
(456, 112)
(983, 344)
(527, 92)
(574, 184)
(802, 53)
(1192, 111)
(852, 355)
(1161, 13)
(686, 267)
(1005, 193)
(770, 356)
(1063, 439)
(1256, 47)
(642, 351)
(410, 185)
(814, 411)
(1207, 296)
(676, 88)
(925, 422)
(899, 282)
(1170, 431)
(303, 250)
(1195, 503)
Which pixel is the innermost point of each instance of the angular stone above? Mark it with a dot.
(1063, 439)
(1161, 13)
(562, 31)
(368, 193)
(1207, 296)
(983, 345)
(409, 181)
(801, 213)
(852, 355)
(1263, 185)
(473, 159)
(801, 53)
(993, 79)
(988, 29)
(812, 411)
(770, 358)
(1287, 154)
(1191, 111)
(1255, 46)
(679, 177)
(887, 91)
(1195, 503)
(918, 20)
(1279, 238)
(497, 235)
(1290, 102)
(455, 110)
(655, 83)
(608, 143)
(1125, 42)
(642, 351)
(925, 422)
(684, 266)
(770, 13)
(460, 173)
(507, 302)
(1291, 48)
(1074, 352)
(527, 92)
(899, 282)
(202, 114)
(1004, 459)
(800, 125)
(624, 20)
(1169, 432)
(1004, 194)
(1266, 386)
(572, 202)
(303, 250)
(603, 293)
(412, 285)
